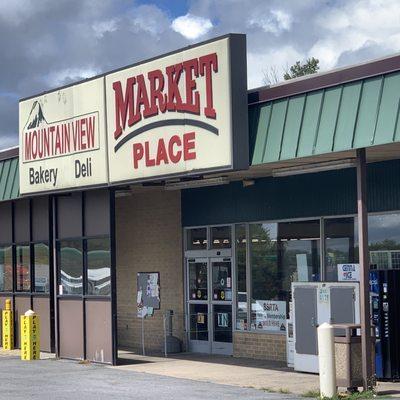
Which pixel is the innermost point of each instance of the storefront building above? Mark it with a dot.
(166, 186)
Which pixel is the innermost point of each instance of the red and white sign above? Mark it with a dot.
(181, 114)
(172, 115)
(62, 139)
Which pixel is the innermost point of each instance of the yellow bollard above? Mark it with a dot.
(8, 327)
(30, 336)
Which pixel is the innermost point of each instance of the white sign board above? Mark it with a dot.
(348, 272)
(62, 139)
(270, 315)
(178, 114)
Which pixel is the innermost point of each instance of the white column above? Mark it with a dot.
(326, 358)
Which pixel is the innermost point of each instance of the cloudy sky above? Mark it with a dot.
(47, 43)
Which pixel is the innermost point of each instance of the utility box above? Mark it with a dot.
(313, 304)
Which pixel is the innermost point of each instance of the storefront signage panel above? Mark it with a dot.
(62, 139)
(180, 114)
(270, 315)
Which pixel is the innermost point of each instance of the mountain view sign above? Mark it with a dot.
(178, 115)
(62, 137)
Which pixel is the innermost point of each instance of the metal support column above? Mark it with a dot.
(362, 212)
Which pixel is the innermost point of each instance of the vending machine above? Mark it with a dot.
(385, 311)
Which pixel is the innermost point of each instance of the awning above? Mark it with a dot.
(353, 115)
(9, 179)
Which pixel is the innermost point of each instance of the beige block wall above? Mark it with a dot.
(149, 239)
(259, 345)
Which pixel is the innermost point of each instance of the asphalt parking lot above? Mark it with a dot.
(62, 380)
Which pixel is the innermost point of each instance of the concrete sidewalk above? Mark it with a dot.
(259, 374)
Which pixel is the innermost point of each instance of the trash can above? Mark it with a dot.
(348, 356)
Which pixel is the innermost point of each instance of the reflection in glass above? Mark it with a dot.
(222, 323)
(265, 279)
(41, 267)
(198, 280)
(222, 280)
(196, 239)
(70, 266)
(300, 252)
(6, 270)
(23, 264)
(99, 267)
(384, 241)
(241, 290)
(339, 245)
(198, 319)
(221, 237)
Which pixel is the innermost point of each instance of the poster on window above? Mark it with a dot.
(348, 272)
(270, 315)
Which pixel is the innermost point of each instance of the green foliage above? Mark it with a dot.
(311, 66)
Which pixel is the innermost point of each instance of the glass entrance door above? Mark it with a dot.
(198, 299)
(209, 304)
(221, 305)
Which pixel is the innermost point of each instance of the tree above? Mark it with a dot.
(311, 66)
(271, 75)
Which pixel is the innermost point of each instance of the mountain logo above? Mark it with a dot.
(36, 117)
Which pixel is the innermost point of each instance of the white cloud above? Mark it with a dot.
(275, 21)
(64, 76)
(149, 19)
(191, 26)
(355, 26)
(102, 27)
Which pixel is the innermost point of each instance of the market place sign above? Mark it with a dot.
(181, 114)
(178, 115)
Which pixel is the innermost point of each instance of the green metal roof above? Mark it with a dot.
(9, 179)
(352, 115)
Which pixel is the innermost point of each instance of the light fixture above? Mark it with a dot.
(123, 193)
(314, 167)
(248, 182)
(196, 183)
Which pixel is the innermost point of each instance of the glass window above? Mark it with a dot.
(41, 267)
(221, 237)
(241, 288)
(279, 255)
(222, 280)
(339, 245)
(99, 267)
(299, 244)
(196, 239)
(6, 269)
(384, 241)
(265, 279)
(23, 263)
(70, 266)
(198, 321)
(222, 323)
(198, 287)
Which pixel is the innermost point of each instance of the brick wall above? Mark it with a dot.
(259, 345)
(149, 238)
